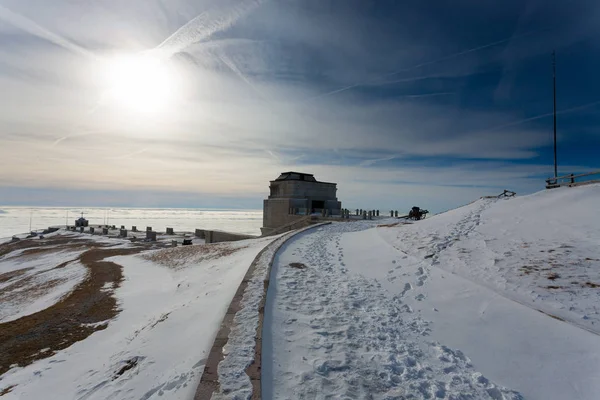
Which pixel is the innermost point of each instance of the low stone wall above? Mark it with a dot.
(209, 382)
(300, 222)
(220, 236)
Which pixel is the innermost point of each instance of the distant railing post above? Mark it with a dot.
(569, 179)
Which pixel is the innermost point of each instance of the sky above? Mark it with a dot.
(188, 103)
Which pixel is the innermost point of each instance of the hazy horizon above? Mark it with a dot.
(17, 220)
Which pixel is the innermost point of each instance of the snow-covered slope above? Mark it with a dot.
(172, 302)
(541, 249)
(497, 299)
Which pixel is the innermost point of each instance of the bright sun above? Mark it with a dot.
(140, 83)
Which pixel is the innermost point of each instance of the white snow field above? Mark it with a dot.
(460, 306)
(172, 302)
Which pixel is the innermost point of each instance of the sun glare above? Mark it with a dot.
(140, 83)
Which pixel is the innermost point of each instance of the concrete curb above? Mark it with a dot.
(209, 383)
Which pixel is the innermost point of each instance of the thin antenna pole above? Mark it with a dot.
(67, 219)
(30, 218)
(554, 87)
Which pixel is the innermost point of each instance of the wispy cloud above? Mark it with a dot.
(383, 77)
(259, 96)
(35, 29)
(214, 19)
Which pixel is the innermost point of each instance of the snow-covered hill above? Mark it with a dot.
(494, 300)
(542, 249)
(497, 299)
(171, 303)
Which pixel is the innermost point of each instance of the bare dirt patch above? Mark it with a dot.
(73, 318)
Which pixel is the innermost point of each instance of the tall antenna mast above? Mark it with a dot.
(30, 218)
(554, 90)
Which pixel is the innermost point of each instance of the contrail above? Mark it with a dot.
(197, 29)
(73, 135)
(445, 58)
(541, 116)
(427, 94)
(204, 25)
(35, 29)
(367, 163)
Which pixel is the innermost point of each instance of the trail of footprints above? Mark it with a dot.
(363, 344)
(462, 229)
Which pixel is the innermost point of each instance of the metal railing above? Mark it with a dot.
(572, 180)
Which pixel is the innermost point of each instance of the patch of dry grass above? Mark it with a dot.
(180, 257)
(7, 390)
(7, 276)
(389, 225)
(73, 318)
(553, 276)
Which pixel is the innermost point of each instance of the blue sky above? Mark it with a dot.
(400, 103)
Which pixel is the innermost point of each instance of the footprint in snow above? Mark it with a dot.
(407, 287)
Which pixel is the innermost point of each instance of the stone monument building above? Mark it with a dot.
(294, 195)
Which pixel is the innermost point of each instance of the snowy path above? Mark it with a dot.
(330, 332)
